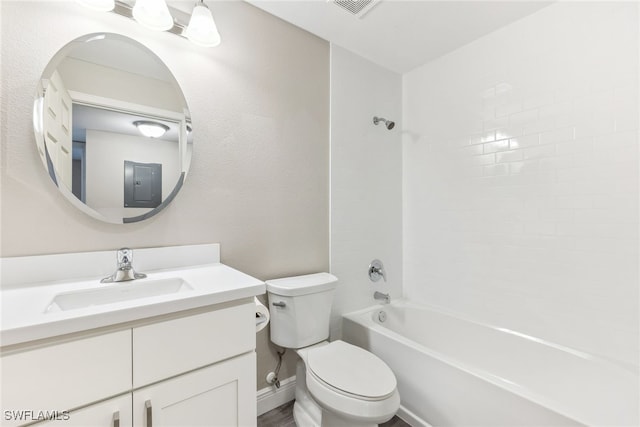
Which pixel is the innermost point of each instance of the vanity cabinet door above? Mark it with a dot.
(114, 412)
(64, 375)
(223, 394)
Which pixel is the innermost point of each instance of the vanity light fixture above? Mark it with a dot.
(153, 14)
(156, 15)
(202, 29)
(151, 129)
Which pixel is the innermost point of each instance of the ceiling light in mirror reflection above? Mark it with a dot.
(151, 129)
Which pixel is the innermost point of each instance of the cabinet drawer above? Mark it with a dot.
(165, 349)
(66, 375)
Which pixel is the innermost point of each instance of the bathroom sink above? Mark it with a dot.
(120, 292)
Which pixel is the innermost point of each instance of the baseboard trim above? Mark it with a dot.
(271, 397)
(411, 418)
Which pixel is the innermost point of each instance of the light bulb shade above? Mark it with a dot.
(151, 129)
(202, 28)
(153, 14)
(99, 5)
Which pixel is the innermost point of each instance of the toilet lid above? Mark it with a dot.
(352, 370)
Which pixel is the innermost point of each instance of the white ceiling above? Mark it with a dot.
(401, 34)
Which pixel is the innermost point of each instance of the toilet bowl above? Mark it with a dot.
(337, 384)
(352, 386)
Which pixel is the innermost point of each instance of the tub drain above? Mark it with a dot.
(382, 316)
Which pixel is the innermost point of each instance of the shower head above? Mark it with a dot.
(388, 123)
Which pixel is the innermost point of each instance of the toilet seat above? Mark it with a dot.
(352, 382)
(351, 371)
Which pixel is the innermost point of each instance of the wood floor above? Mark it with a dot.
(282, 416)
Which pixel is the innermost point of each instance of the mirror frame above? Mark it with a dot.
(185, 155)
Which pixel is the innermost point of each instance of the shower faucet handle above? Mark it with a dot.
(376, 271)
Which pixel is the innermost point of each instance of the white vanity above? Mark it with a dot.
(182, 355)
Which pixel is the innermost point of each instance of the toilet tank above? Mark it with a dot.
(300, 309)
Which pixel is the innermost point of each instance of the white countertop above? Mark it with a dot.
(24, 316)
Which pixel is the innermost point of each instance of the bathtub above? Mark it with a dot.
(453, 371)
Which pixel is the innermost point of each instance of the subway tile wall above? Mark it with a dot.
(521, 178)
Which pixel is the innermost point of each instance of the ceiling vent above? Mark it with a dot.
(358, 8)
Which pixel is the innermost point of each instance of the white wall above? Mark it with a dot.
(366, 181)
(106, 154)
(521, 178)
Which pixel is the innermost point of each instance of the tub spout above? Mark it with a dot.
(385, 298)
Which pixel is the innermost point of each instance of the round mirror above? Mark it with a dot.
(112, 128)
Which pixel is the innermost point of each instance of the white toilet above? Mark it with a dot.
(337, 384)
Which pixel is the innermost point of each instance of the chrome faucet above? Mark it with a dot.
(385, 298)
(125, 269)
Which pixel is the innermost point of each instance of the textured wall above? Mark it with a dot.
(366, 181)
(521, 178)
(259, 179)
